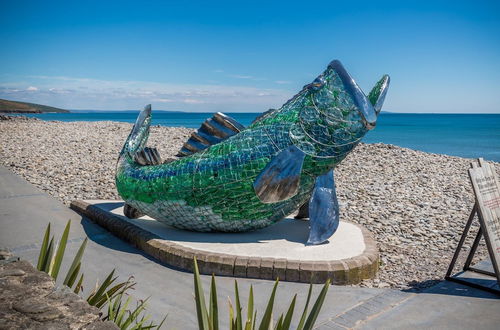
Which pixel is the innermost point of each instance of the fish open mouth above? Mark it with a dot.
(365, 108)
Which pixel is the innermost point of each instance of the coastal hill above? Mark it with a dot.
(24, 107)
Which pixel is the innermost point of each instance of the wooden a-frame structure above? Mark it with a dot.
(486, 188)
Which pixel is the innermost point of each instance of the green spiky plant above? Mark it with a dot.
(50, 262)
(209, 319)
(126, 319)
(113, 296)
(108, 292)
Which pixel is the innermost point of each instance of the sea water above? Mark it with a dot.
(463, 135)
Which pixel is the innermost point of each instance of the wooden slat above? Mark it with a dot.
(487, 191)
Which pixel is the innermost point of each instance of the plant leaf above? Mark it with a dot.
(74, 275)
(122, 310)
(123, 322)
(117, 303)
(201, 307)
(239, 321)
(43, 249)
(135, 313)
(267, 318)
(119, 288)
(111, 310)
(304, 313)
(289, 314)
(162, 321)
(279, 324)
(78, 286)
(76, 261)
(248, 323)
(317, 307)
(54, 269)
(95, 296)
(232, 324)
(214, 313)
(48, 256)
(139, 325)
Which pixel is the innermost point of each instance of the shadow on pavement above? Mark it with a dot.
(445, 287)
(101, 236)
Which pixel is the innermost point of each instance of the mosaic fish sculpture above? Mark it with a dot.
(233, 179)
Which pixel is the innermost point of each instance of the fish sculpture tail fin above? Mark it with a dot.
(135, 151)
(138, 137)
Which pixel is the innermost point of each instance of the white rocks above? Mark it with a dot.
(415, 203)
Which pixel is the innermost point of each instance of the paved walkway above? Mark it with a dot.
(25, 212)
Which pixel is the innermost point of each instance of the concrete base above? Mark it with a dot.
(276, 251)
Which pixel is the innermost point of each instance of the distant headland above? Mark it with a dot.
(24, 107)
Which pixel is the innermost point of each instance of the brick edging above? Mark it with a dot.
(345, 271)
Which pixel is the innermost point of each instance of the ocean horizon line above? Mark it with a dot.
(246, 112)
(456, 134)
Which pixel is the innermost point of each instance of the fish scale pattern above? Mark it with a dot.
(212, 190)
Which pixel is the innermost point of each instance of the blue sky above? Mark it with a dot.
(442, 56)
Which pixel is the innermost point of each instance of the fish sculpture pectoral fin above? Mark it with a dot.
(323, 210)
(280, 179)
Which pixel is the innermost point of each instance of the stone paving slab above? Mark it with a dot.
(366, 310)
(445, 306)
(349, 258)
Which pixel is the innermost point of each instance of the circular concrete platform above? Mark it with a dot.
(350, 256)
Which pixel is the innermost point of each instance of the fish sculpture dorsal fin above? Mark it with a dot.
(148, 156)
(280, 179)
(214, 130)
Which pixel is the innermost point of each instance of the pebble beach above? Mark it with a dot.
(414, 203)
